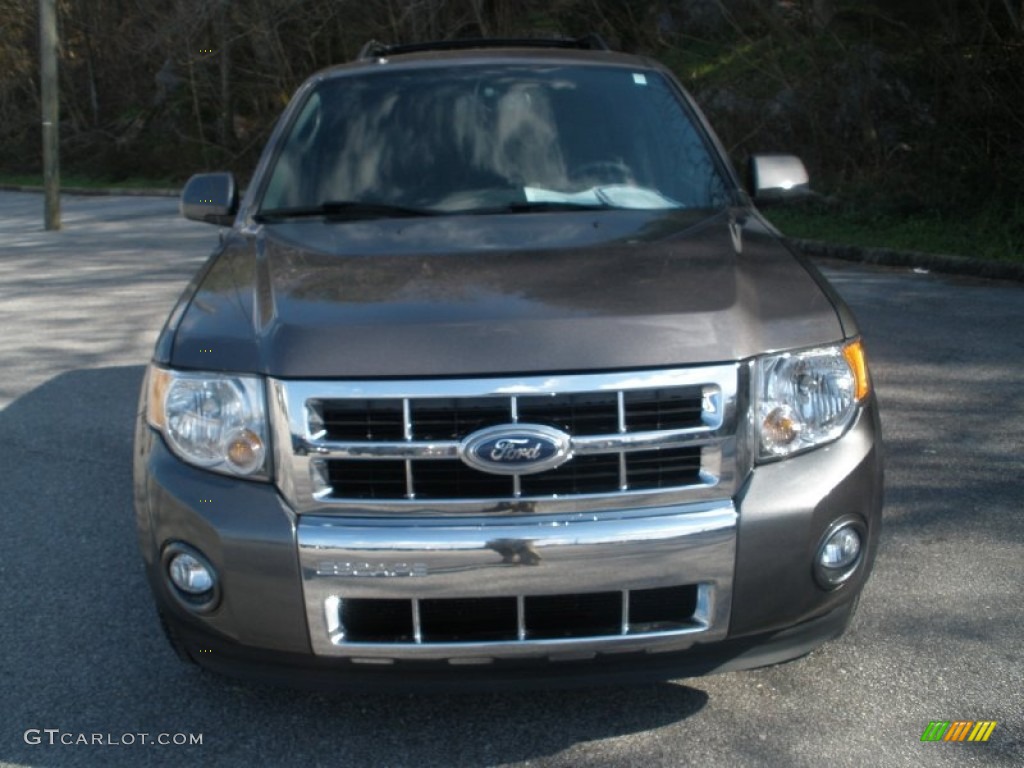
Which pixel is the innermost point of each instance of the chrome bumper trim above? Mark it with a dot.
(441, 558)
(449, 449)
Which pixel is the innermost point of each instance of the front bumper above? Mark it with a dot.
(502, 571)
(283, 577)
(331, 673)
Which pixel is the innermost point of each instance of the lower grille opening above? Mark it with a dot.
(496, 619)
(377, 621)
(587, 615)
(654, 610)
(468, 620)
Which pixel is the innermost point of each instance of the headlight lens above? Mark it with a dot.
(216, 421)
(805, 399)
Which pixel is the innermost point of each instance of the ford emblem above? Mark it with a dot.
(516, 449)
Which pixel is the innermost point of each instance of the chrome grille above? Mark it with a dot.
(451, 478)
(387, 446)
(588, 413)
(504, 619)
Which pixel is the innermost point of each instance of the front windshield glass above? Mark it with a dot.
(483, 138)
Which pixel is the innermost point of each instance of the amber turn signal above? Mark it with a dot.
(854, 354)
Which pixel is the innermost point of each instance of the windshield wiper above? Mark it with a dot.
(535, 206)
(346, 209)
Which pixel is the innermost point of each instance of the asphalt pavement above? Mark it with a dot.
(939, 634)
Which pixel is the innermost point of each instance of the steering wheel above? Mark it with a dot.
(605, 171)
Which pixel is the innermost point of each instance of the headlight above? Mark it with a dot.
(212, 420)
(805, 399)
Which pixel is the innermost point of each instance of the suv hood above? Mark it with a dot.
(513, 294)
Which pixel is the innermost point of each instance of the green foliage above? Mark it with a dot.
(994, 233)
(900, 109)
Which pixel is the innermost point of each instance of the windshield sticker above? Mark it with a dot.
(639, 79)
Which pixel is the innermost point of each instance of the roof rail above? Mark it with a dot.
(591, 42)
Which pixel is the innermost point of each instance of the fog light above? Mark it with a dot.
(191, 580)
(841, 549)
(189, 574)
(839, 553)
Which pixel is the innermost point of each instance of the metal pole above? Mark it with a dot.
(48, 77)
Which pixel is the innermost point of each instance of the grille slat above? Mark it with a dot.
(650, 470)
(586, 414)
(519, 618)
(654, 410)
(453, 479)
(584, 474)
(376, 479)
(358, 420)
(579, 414)
(454, 418)
(446, 478)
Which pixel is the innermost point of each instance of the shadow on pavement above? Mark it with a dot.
(82, 651)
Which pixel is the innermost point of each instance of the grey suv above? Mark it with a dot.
(498, 376)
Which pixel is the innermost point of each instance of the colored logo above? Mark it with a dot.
(958, 730)
(516, 449)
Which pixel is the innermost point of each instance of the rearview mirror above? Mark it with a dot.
(777, 177)
(211, 198)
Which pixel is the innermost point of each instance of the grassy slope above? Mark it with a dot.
(868, 218)
(988, 235)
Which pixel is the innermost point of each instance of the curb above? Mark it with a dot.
(934, 262)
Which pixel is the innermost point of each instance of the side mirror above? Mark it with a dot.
(211, 198)
(777, 177)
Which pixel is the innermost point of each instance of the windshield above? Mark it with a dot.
(486, 138)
